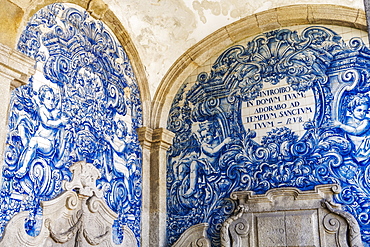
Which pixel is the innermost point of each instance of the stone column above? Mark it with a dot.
(15, 70)
(155, 144)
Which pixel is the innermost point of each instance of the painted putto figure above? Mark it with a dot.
(357, 125)
(45, 137)
(210, 147)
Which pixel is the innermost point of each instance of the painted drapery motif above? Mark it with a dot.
(83, 103)
(287, 109)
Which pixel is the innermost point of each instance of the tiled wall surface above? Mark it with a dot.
(82, 103)
(285, 108)
(78, 106)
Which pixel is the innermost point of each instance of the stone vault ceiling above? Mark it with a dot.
(163, 30)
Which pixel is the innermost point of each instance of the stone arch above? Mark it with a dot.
(247, 27)
(99, 10)
(197, 57)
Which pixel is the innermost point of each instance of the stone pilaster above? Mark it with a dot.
(162, 140)
(155, 144)
(145, 138)
(15, 70)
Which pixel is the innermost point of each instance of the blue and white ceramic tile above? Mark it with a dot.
(286, 109)
(83, 103)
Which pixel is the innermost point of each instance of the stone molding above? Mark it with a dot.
(290, 217)
(246, 27)
(319, 192)
(97, 8)
(78, 217)
(161, 137)
(353, 232)
(148, 136)
(195, 236)
(145, 136)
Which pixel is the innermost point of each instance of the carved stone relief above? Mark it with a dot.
(195, 236)
(78, 217)
(290, 217)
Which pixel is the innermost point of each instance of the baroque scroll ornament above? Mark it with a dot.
(213, 154)
(83, 103)
(78, 217)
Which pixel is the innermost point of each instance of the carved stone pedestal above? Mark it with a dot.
(290, 217)
(76, 218)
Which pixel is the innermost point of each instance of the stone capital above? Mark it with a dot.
(162, 138)
(145, 137)
(15, 66)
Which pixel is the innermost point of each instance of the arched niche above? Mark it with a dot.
(82, 104)
(215, 153)
(99, 10)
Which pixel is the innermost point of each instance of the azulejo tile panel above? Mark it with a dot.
(287, 109)
(83, 103)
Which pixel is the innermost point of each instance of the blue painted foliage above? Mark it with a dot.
(213, 154)
(83, 105)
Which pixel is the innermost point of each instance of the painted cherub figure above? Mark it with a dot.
(357, 126)
(119, 156)
(210, 147)
(118, 144)
(45, 137)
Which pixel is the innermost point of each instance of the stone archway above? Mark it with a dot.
(244, 28)
(281, 111)
(99, 10)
